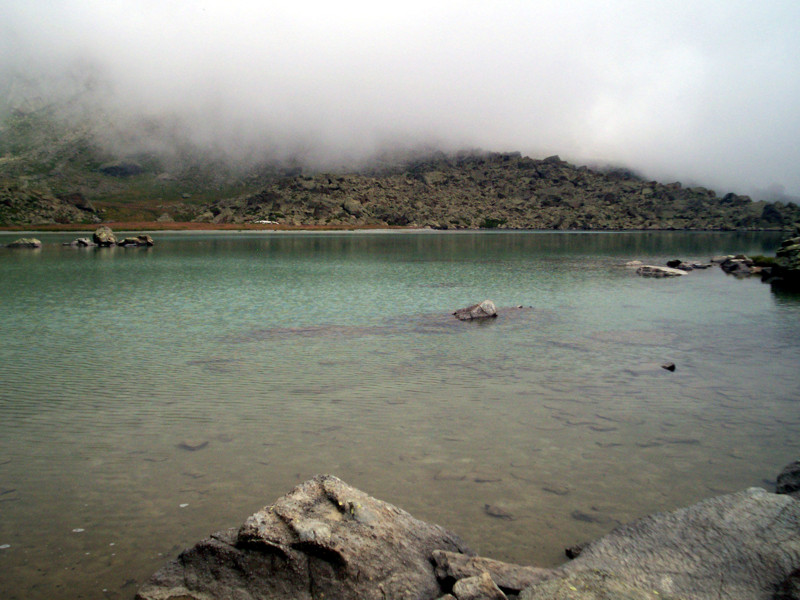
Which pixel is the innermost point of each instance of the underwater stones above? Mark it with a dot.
(658, 272)
(484, 310)
(498, 512)
(193, 445)
(104, 236)
(323, 539)
(25, 243)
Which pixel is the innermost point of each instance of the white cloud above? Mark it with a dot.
(705, 91)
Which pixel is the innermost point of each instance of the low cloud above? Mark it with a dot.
(702, 93)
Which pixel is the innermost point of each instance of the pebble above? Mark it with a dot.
(498, 512)
(193, 445)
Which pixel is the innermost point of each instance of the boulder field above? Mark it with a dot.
(326, 539)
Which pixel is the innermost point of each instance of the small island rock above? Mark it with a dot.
(658, 272)
(104, 236)
(25, 243)
(484, 310)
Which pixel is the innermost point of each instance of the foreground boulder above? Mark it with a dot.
(484, 310)
(25, 243)
(324, 539)
(741, 546)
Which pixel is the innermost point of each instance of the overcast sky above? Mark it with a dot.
(704, 91)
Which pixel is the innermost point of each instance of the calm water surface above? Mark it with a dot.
(151, 396)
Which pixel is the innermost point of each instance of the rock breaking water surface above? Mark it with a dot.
(150, 397)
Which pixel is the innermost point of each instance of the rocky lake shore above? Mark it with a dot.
(463, 190)
(326, 539)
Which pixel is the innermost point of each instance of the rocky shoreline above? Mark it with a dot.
(326, 539)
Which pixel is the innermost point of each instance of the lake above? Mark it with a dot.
(151, 396)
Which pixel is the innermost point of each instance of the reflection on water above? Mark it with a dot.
(152, 396)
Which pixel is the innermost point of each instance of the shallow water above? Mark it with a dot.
(151, 396)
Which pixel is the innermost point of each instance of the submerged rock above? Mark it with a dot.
(324, 539)
(484, 310)
(25, 243)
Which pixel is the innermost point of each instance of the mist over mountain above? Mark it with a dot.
(703, 92)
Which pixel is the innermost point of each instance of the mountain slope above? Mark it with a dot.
(472, 190)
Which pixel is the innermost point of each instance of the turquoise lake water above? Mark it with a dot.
(151, 396)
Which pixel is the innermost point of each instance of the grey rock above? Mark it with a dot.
(589, 585)
(508, 577)
(789, 480)
(324, 539)
(739, 265)
(787, 264)
(104, 236)
(484, 310)
(498, 512)
(720, 258)
(480, 587)
(789, 589)
(25, 243)
(139, 240)
(740, 547)
(658, 272)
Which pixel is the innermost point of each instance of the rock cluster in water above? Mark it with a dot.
(326, 539)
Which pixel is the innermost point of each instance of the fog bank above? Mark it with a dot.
(706, 92)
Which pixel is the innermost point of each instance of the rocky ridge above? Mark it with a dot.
(487, 190)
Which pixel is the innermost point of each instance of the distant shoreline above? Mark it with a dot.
(200, 227)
